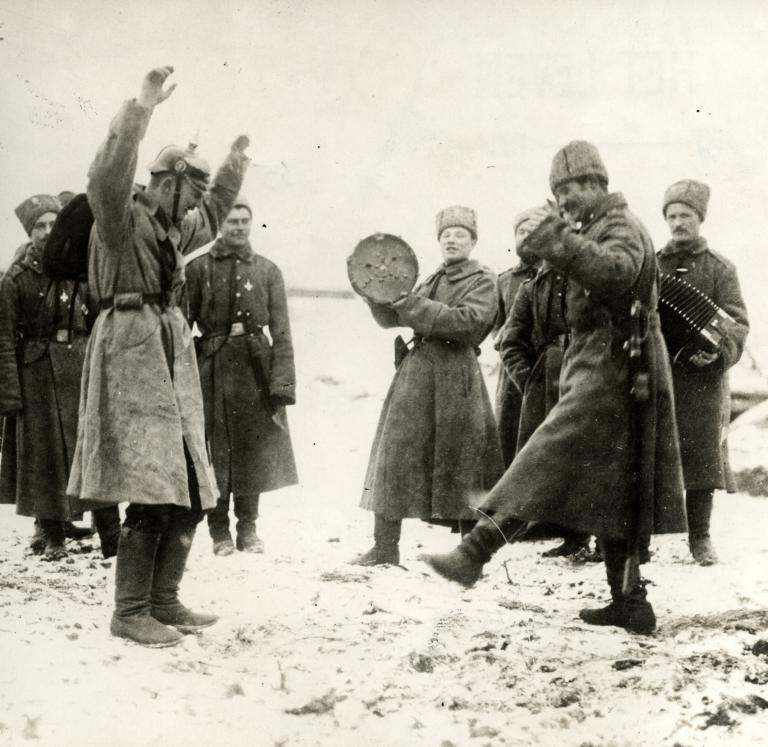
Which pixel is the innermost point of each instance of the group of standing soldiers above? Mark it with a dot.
(593, 420)
(107, 395)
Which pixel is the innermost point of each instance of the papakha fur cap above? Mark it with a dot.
(576, 160)
(457, 215)
(689, 192)
(33, 207)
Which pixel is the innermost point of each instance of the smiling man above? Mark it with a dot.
(582, 468)
(702, 396)
(235, 296)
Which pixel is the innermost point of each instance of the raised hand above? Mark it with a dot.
(152, 91)
(241, 143)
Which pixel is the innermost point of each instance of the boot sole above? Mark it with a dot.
(162, 644)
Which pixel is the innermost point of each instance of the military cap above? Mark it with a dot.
(576, 160)
(689, 192)
(33, 207)
(525, 215)
(65, 197)
(173, 159)
(242, 202)
(457, 215)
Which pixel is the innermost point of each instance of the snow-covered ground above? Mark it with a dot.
(312, 651)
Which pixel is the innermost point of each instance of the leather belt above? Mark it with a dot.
(123, 301)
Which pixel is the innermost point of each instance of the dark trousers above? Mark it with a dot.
(246, 511)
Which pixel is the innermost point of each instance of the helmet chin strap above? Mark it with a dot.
(176, 199)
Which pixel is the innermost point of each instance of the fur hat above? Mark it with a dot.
(525, 215)
(33, 207)
(576, 160)
(689, 192)
(242, 202)
(457, 216)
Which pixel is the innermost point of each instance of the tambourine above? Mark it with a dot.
(382, 267)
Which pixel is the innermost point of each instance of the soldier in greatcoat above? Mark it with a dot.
(578, 467)
(245, 355)
(141, 434)
(702, 394)
(42, 344)
(531, 345)
(436, 448)
(509, 399)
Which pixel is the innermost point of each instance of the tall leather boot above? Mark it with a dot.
(613, 553)
(247, 511)
(218, 527)
(53, 531)
(107, 523)
(37, 540)
(386, 541)
(698, 505)
(630, 611)
(133, 585)
(464, 564)
(171, 560)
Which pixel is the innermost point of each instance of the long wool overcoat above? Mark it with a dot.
(578, 468)
(436, 450)
(42, 346)
(531, 345)
(509, 399)
(141, 401)
(702, 397)
(249, 439)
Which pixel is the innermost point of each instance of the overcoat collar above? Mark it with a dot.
(612, 201)
(220, 250)
(694, 247)
(459, 270)
(522, 268)
(33, 258)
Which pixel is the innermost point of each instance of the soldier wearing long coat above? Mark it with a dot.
(509, 399)
(245, 355)
(42, 344)
(436, 449)
(531, 345)
(141, 435)
(702, 394)
(579, 467)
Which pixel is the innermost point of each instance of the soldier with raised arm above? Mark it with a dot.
(141, 435)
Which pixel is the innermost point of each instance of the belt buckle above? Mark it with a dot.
(128, 301)
(237, 329)
(62, 335)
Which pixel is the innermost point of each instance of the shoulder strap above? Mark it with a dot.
(199, 252)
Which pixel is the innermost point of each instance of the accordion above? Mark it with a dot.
(691, 321)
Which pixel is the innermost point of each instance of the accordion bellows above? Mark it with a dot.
(691, 321)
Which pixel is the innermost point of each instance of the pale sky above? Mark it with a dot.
(371, 116)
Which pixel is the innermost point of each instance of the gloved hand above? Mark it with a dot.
(548, 232)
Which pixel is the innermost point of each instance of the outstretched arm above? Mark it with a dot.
(110, 178)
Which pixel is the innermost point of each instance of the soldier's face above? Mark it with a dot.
(189, 198)
(456, 244)
(42, 229)
(683, 221)
(236, 227)
(576, 200)
(523, 230)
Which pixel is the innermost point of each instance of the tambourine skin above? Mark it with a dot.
(382, 267)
